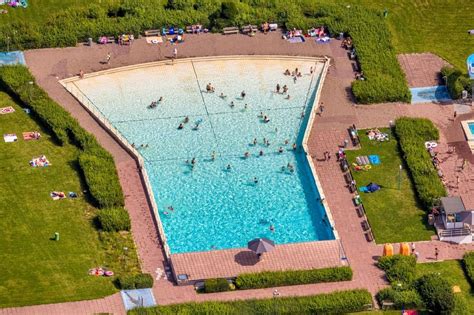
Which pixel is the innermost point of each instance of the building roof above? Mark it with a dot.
(467, 217)
(452, 205)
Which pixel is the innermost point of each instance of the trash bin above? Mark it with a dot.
(89, 41)
(56, 236)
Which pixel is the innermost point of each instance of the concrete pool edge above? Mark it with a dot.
(468, 134)
(70, 86)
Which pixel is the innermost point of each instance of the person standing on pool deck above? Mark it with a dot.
(175, 54)
(278, 88)
(108, 57)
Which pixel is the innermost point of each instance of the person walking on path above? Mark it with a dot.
(321, 109)
(108, 57)
(175, 54)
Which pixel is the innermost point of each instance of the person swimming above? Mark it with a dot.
(222, 96)
(186, 120)
(285, 89)
(266, 119)
(272, 228)
(213, 155)
(181, 126)
(255, 180)
(280, 150)
(246, 154)
(287, 141)
(229, 167)
(193, 161)
(260, 153)
(254, 141)
(242, 94)
(246, 106)
(232, 104)
(294, 146)
(288, 97)
(171, 208)
(287, 72)
(161, 99)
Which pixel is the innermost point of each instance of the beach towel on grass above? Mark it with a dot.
(31, 135)
(10, 137)
(363, 189)
(374, 159)
(296, 39)
(7, 110)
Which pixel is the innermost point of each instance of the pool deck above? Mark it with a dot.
(329, 131)
(232, 262)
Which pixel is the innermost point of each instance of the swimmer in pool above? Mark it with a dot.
(229, 167)
(280, 150)
(181, 126)
(242, 94)
(222, 96)
(261, 153)
(186, 120)
(255, 180)
(272, 228)
(254, 141)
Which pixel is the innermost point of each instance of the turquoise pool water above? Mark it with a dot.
(214, 207)
(471, 127)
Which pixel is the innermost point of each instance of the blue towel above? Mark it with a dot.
(363, 189)
(374, 159)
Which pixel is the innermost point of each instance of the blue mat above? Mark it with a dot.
(374, 159)
(296, 39)
(12, 58)
(429, 94)
(137, 298)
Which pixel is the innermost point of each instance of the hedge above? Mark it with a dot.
(436, 293)
(407, 299)
(216, 285)
(114, 219)
(468, 264)
(399, 269)
(412, 134)
(138, 281)
(385, 81)
(97, 164)
(456, 81)
(268, 279)
(334, 303)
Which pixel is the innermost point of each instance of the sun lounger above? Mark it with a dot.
(56, 195)
(152, 33)
(230, 30)
(249, 29)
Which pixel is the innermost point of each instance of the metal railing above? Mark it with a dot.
(99, 116)
(465, 231)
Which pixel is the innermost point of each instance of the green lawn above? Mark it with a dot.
(452, 270)
(35, 269)
(393, 214)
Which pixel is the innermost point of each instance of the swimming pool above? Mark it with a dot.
(213, 206)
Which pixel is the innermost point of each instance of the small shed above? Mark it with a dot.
(452, 208)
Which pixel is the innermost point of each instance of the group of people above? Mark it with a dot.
(154, 104)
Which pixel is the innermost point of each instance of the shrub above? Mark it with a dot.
(456, 81)
(102, 179)
(401, 299)
(114, 219)
(399, 268)
(137, 281)
(436, 293)
(412, 134)
(468, 263)
(216, 285)
(97, 164)
(269, 279)
(334, 303)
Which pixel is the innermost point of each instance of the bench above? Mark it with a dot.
(348, 177)
(249, 29)
(387, 305)
(106, 40)
(360, 211)
(152, 33)
(344, 165)
(230, 30)
(365, 225)
(369, 236)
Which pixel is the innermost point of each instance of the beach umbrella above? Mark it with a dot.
(261, 245)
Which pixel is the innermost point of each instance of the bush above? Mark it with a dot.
(412, 134)
(114, 219)
(268, 279)
(334, 303)
(401, 299)
(468, 264)
(97, 164)
(216, 285)
(137, 281)
(436, 293)
(399, 268)
(456, 81)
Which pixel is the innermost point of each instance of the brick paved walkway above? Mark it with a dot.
(49, 65)
(232, 262)
(422, 69)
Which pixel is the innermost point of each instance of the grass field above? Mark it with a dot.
(35, 269)
(438, 26)
(393, 214)
(452, 270)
